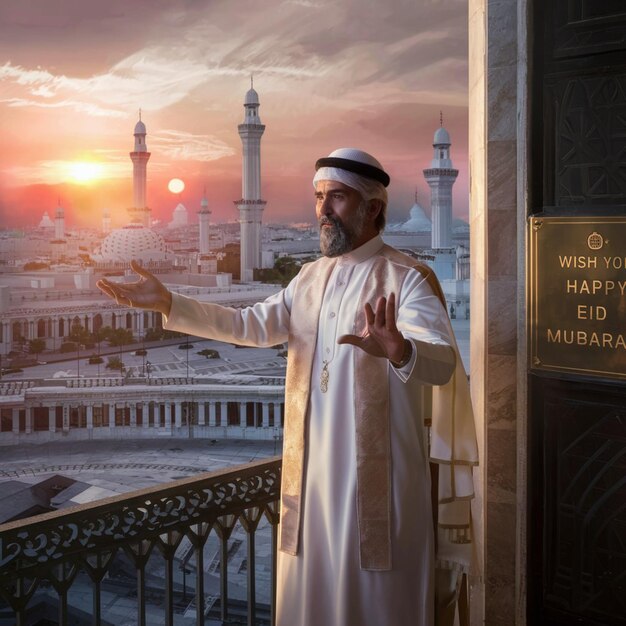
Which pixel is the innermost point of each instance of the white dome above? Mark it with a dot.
(441, 137)
(252, 97)
(179, 216)
(46, 222)
(140, 128)
(418, 222)
(132, 242)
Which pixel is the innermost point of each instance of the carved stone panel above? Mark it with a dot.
(588, 27)
(585, 140)
(582, 523)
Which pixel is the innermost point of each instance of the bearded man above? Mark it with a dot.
(367, 333)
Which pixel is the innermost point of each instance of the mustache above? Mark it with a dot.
(328, 220)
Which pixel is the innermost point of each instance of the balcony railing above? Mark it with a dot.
(130, 559)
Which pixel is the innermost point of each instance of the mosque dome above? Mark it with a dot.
(46, 222)
(252, 97)
(418, 222)
(441, 137)
(140, 128)
(132, 242)
(179, 216)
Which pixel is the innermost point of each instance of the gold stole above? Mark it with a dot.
(371, 392)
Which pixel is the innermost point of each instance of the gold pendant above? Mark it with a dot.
(324, 378)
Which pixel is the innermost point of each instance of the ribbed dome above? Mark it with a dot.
(252, 97)
(418, 222)
(140, 128)
(132, 242)
(441, 137)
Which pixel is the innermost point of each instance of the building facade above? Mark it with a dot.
(116, 408)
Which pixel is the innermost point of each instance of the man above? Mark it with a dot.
(367, 332)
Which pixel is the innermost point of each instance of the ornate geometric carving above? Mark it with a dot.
(588, 27)
(589, 140)
(585, 517)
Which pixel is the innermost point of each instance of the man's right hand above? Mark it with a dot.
(146, 293)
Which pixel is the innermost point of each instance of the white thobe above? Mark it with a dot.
(323, 585)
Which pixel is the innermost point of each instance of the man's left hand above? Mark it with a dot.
(381, 336)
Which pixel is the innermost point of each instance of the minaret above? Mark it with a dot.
(204, 216)
(139, 212)
(59, 223)
(106, 221)
(251, 206)
(440, 177)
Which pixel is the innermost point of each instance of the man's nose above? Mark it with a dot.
(324, 206)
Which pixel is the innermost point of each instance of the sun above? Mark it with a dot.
(84, 172)
(176, 185)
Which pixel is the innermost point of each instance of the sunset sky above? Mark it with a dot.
(371, 74)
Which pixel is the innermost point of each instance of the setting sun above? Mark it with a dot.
(176, 185)
(83, 172)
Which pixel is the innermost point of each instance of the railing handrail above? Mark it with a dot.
(112, 521)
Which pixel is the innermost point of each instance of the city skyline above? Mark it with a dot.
(326, 76)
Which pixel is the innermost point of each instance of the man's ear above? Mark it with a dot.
(374, 209)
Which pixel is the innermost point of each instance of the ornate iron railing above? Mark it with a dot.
(96, 563)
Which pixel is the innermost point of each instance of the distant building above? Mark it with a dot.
(140, 212)
(46, 222)
(59, 223)
(204, 217)
(440, 177)
(251, 205)
(180, 217)
(106, 221)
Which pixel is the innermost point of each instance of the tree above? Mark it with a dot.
(153, 334)
(36, 346)
(285, 268)
(78, 333)
(102, 334)
(114, 363)
(120, 337)
(209, 353)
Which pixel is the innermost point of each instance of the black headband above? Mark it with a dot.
(363, 169)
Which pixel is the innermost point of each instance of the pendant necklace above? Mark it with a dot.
(324, 376)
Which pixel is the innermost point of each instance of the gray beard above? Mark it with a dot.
(340, 238)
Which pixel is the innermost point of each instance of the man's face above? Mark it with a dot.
(343, 218)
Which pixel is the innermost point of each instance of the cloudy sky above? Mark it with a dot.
(372, 74)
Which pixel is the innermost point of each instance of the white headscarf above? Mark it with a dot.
(369, 188)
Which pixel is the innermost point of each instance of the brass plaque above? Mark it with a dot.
(577, 289)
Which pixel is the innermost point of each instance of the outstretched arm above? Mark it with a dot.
(146, 293)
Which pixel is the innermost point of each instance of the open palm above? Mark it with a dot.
(146, 293)
(381, 336)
